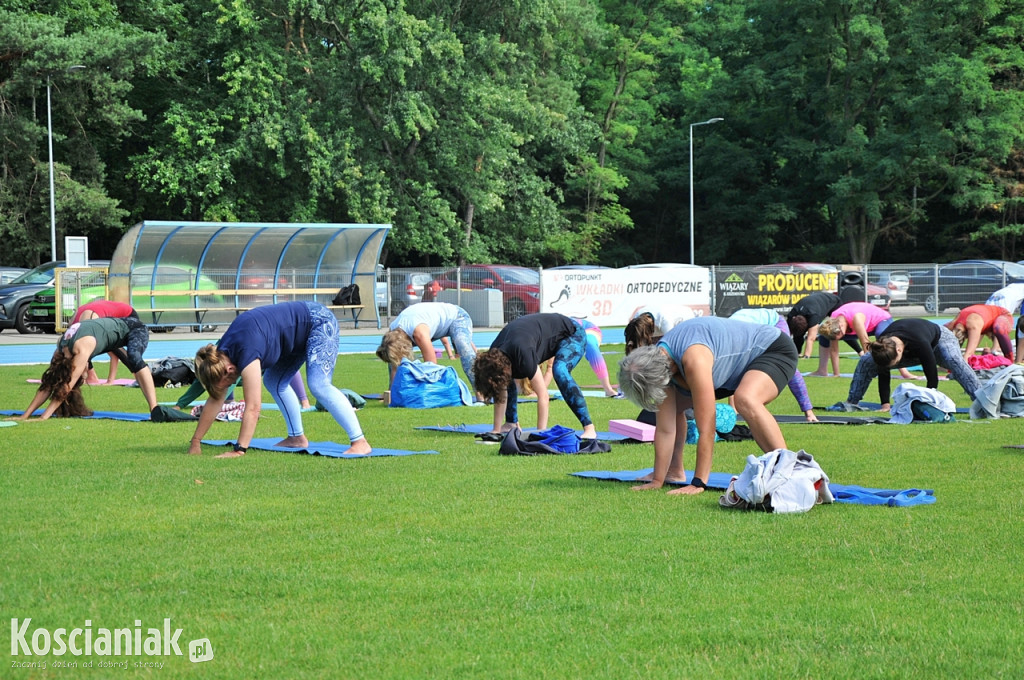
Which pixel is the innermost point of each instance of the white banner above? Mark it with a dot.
(608, 297)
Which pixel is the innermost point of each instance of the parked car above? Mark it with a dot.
(407, 288)
(519, 286)
(896, 282)
(16, 296)
(42, 309)
(8, 274)
(961, 284)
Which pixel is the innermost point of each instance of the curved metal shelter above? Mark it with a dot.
(180, 273)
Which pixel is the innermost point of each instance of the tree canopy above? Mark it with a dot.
(525, 131)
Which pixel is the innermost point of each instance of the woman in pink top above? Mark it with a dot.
(103, 309)
(978, 320)
(860, 318)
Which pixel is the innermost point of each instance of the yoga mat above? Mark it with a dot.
(555, 394)
(843, 493)
(263, 407)
(329, 449)
(841, 375)
(716, 480)
(871, 406)
(832, 420)
(524, 400)
(481, 428)
(7, 423)
(108, 415)
(125, 382)
(858, 495)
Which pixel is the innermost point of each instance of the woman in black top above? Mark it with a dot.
(907, 342)
(517, 353)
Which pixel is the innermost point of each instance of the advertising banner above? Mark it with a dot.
(608, 297)
(777, 289)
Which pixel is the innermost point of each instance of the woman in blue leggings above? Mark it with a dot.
(518, 352)
(276, 340)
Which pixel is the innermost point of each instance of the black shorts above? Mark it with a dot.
(779, 361)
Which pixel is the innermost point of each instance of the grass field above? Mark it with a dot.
(473, 565)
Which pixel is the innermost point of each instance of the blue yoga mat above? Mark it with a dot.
(716, 480)
(271, 406)
(329, 449)
(859, 495)
(108, 415)
(481, 428)
(871, 406)
(522, 400)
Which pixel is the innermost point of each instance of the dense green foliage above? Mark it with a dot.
(525, 131)
(468, 564)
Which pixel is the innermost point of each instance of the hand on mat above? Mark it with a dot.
(194, 448)
(687, 490)
(231, 454)
(811, 418)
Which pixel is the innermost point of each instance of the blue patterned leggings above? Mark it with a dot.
(321, 356)
(570, 352)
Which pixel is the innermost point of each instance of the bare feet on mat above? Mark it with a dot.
(589, 432)
(296, 442)
(360, 447)
(231, 454)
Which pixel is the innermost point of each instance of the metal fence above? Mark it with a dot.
(907, 289)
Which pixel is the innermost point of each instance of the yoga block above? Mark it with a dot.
(633, 429)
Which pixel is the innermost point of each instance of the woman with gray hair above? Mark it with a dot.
(694, 364)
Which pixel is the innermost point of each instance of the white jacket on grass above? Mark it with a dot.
(788, 477)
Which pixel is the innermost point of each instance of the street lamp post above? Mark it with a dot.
(49, 138)
(693, 125)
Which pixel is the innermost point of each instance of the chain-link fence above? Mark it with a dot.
(904, 289)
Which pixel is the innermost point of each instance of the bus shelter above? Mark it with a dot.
(206, 273)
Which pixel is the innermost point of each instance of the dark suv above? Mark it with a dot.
(961, 284)
(16, 296)
(519, 286)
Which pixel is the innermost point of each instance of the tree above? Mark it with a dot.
(90, 114)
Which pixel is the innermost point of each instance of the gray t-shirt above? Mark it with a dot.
(437, 316)
(734, 345)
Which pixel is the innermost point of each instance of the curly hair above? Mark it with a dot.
(493, 371)
(395, 346)
(56, 381)
(883, 351)
(640, 332)
(211, 367)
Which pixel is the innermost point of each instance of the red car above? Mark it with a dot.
(519, 286)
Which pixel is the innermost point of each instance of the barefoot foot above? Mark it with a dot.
(360, 447)
(296, 442)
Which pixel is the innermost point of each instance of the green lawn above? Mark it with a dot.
(469, 564)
